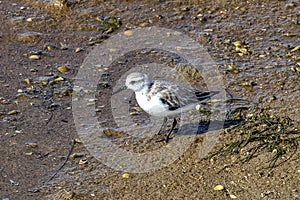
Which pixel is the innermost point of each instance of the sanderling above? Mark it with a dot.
(163, 98)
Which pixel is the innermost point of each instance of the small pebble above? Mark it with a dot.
(59, 79)
(77, 50)
(29, 19)
(63, 69)
(238, 43)
(126, 175)
(82, 162)
(28, 82)
(13, 112)
(31, 144)
(219, 187)
(128, 33)
(34, 57)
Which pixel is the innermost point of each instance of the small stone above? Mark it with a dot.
(59, 79)
(33, 70)
(126, 175)
(13, 112)
(262, 56)
(14, 182)
(144, 24)
(113, 50)
(77, 50)
(128, 33)
(238, 43)
(219, 187)
(34, 57)
(76, 155)
(63, 69)
(28, 82)
(78, 141)
(31, 144)
(296, 48)
(29, 19)
(82, 162)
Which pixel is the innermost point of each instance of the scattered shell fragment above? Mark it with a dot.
(59, 79)
(272, 98)
(3, 100)
(31, 144)
(63, 46)
(262, 56)
(232, 69)
(219, 187)
(83, 161)
(232, 196)
(77, 50)
(22, 96)
(143, 24)
(33, 70)
(250, 83)
(76, 155)
(52, 105)
(290, 35)
(296, 48)
(113, 50)
(34, 57)
(128, 33)
(78, 141)
(14, 182)
(29, 153)
(238, 43)
(110, 30)
(29, 19)
(159, 16)
(126, 175)
(51, 46)
(63, 69)
(227, 41)
(13, 112)
(28, 82)
(209, 30)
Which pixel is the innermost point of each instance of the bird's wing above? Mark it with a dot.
(177, 96)
(203, 96)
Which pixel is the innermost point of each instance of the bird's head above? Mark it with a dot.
(136, 81)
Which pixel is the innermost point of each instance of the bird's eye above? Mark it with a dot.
(132, 82)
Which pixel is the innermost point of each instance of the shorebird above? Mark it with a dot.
(164, 98)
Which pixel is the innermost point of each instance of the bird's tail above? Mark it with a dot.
(204, 96)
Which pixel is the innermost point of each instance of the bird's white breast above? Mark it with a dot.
(152, 105)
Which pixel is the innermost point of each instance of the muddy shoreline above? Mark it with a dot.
(39, 38)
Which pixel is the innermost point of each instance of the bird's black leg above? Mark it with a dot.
(163, 124)
(171, 130)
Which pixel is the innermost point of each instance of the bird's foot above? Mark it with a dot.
(165, 139)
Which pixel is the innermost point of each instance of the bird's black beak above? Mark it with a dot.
(119, 90)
